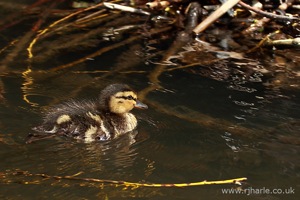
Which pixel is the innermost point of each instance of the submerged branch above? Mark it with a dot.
(181, 40)
(42, 32)
(2, 99)
(97, 53)
(106, 49)
(204, 120)
(21, 43)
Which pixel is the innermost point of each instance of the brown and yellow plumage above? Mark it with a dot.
(104, 119)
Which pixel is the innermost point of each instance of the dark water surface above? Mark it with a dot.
(199, 126)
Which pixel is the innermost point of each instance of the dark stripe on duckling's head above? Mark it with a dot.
(130, 97)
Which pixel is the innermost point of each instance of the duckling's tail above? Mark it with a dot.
(32, 137)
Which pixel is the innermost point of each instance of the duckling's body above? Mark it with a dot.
(101, 120)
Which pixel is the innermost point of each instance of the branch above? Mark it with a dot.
(215, 15)
(125, 8)
(267, 14)
(237, 181)
(289, 42)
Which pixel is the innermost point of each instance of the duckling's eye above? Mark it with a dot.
(130, 98)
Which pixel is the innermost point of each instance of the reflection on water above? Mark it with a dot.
(209, 130)
(88, 158)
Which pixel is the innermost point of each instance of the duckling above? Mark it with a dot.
(101, 120)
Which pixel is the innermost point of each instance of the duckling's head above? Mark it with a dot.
(119, 99)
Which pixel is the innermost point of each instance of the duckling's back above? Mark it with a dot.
(80, 120)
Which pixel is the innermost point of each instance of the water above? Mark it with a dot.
(199, 126)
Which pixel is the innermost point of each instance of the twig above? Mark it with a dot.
(7, 46)
(289, 42)
(88, 17)
(215, 15)
(267, 41)
(125, 8)
(237, 181)
(267, 14)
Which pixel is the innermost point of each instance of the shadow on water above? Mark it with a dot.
(212, 115)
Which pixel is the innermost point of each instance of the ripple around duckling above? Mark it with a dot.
(66, 157)
(151, 131)
(108, 156)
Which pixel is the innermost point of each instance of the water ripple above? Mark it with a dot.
(241, 88)
(243, 103)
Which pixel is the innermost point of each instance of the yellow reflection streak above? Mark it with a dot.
(28, 81)
(42, 32)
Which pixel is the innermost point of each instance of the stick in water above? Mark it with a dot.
(215, 15)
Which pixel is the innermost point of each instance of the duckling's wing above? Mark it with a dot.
(80, 120)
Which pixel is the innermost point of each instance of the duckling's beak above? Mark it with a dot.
(140, 105)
